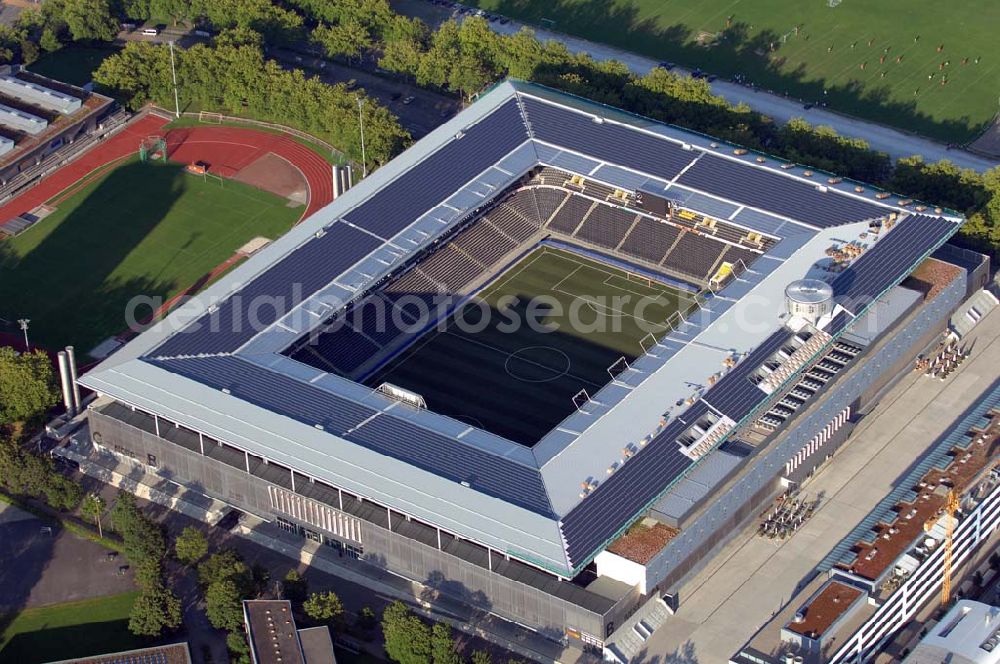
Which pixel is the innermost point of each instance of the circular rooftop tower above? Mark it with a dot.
(810, 299)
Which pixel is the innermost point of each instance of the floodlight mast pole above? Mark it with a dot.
(361, 123)
(23, 322)
(173, 73)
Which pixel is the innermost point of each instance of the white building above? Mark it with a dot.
(968, 634)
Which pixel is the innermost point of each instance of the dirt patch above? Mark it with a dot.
(276, 175)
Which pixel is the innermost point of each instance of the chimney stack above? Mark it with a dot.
(64, 378)
(73, 387)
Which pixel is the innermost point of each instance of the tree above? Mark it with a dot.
(324, 607)
(155, 610)
(482, 657)
(90, 19)
(239, 649)
(92, 508)
(367, 620)
(226, 565)
(294, 588)
(27, 386)
(443, 645)
(407, 637)
(190, 546)
(224, 605)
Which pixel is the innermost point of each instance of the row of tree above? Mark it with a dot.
(466, 57)
(27, 392)
(410, 640)
(157, 609)
(461, 58)
(234, 75)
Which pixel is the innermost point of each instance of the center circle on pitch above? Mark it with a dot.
(537, 364)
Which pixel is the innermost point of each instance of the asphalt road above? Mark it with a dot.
(894, 142)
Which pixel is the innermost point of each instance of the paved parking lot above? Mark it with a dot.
(42, 568)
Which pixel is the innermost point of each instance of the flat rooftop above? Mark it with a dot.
(175, 653)
(824, 609)
(273, 635)
(643, 541)
(962, 469)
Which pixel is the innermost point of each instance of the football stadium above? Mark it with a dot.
(546, 361)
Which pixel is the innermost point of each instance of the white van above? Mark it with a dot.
(150, 32)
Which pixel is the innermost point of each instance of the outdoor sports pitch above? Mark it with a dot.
(817, 47)
(138, 229)
(519, 380)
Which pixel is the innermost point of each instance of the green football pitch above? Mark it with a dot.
(878, 60)
(140, 230)
(511, 360)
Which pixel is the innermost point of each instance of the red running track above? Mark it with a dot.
(227, 150)
(120, 145)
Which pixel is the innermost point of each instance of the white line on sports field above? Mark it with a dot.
(509, 354)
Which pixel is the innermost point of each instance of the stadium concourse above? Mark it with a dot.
(684, 433)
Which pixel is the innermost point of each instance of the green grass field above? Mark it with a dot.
(73, 629)
(142, 229)
(73, 63)
(827, 52)
(520, 383)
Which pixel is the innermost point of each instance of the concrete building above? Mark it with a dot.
(586, 533)
(968, 634)
(274, 638)
(893, 563)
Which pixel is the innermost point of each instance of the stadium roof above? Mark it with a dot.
(215, 366)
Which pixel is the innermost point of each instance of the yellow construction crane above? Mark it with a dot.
(950, 508)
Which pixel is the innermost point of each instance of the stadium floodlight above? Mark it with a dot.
(23, 322)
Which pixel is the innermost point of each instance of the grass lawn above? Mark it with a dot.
(73, 64)
(525, 378)
(826, 53)
(142, 229)
(73, 629)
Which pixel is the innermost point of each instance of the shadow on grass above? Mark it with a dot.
(756, 57)
(73, 282)
(51, 644)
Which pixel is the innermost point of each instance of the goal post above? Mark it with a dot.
(153, 148)
(641, 278)
(209, 118)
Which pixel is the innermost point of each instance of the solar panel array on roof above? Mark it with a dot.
(638, 482)
(401, 202)
(773, 192)
(385, 434)
(611, 142)
(839, 322)
(885, 263)
(272, 294)
(734, 395)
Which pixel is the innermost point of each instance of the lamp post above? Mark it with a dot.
(361, 123)
(173, 73)
(23, 322)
